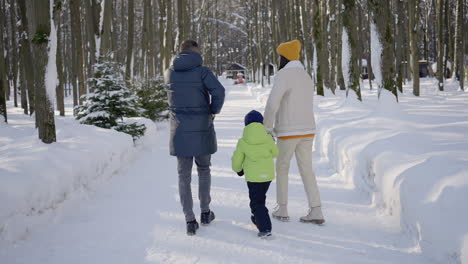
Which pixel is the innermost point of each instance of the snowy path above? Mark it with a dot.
(135, 217)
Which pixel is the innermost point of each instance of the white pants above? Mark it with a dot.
(302, 147)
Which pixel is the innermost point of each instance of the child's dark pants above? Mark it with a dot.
(257, 195)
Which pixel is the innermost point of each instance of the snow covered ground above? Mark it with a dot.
(36, 178)
(392, 179)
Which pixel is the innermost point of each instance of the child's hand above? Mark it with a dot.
(240, 173)
(272, 134)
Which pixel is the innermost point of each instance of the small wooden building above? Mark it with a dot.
(364, 73)
(234, 69)
(424, 69)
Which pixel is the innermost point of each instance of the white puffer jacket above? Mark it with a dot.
(289, 110)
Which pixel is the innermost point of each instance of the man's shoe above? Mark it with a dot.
(314, 216)
(207, 217)
(192, 227)
(281, 213)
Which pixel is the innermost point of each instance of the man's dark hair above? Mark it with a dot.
(189, 45)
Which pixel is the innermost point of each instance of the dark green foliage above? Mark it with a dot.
(134, 129)
(41, 37)
(152, 98)
(111, 101)
(57, 6)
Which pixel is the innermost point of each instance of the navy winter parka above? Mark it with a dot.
(194, 94)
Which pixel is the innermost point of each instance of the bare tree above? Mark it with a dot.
(27, 72)
(383, 21)
(349, 22)
(107, 29)
(130, 39)
(3, 87)
(60, 90)
(40, 40)
(77, 51)
(14, 54)
(440, 44)
(318, 38)
(413, 27)
(459, 44)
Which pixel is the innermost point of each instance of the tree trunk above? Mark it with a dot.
(349, 22)
(169, 44)
(3, 109)
(77, 49)
(90, 36)
(59, 91)
(413, 27)
(317, 34)
(7, 48)
(399, 51)
(383, 21)
(181, 24)
(459, 45)
(324, 35)
(440, 46)
(106, 31)
(447, 49)
(162, 27)
(305, 21)
(130, 39)
(40, 41)
(333, 45)
(369, 47)
(28, 76)
(14, 54)
(339, 68)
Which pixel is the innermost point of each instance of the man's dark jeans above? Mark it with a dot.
(257, 195)
(184, 167)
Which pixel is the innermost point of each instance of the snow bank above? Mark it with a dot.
(410, 158)
(36, 178)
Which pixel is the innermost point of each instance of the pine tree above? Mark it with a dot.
(110, 102)
(152, 97)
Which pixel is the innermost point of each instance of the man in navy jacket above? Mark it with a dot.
(195, 97)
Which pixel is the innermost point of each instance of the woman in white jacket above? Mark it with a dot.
(289, 116)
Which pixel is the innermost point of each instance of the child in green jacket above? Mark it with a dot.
(254, 157)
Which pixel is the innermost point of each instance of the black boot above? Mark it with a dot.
(264, 234)
(192, 227)
(207, 217)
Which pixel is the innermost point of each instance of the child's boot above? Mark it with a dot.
(314, 216)
(265, 234)
(281, 213)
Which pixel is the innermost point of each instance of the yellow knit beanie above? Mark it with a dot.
(291, 50)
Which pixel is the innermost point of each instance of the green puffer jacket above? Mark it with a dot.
(255, 153)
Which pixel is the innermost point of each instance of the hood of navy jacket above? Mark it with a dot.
(186, 61)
